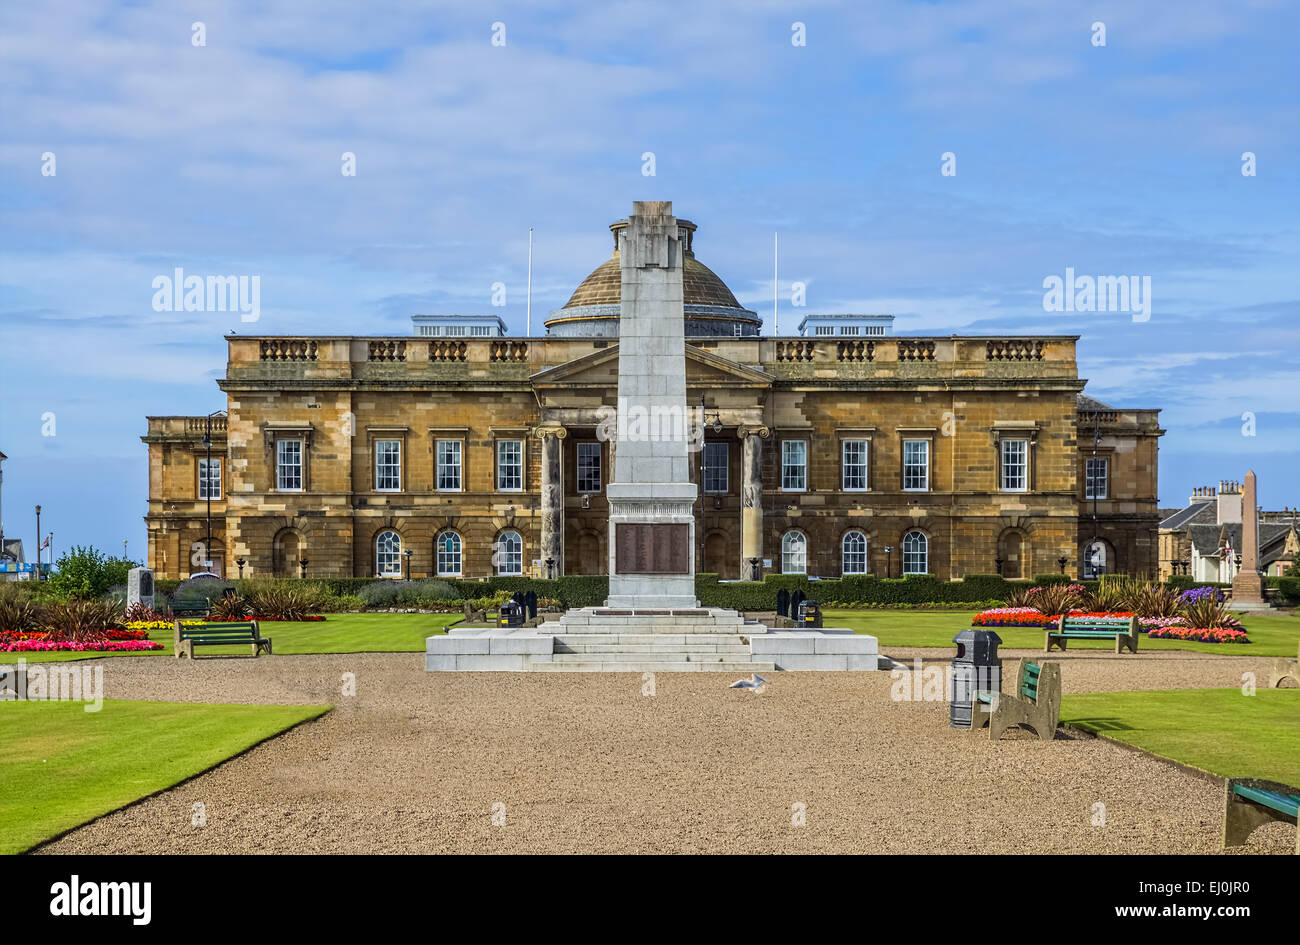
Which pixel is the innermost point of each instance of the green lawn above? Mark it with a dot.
(61, 766)
(1270, 635)
(1217, 730)
(338, 633)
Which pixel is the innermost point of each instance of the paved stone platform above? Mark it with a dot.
(605, 639)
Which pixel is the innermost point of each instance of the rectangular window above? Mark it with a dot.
(388, 465)
(824, 330)
(916, 465)
(588, 468)
(1015, 465)
(455, 331)
(288, 465)
(449, 465)
(794, 465)
(849, 330)
(854, 454)
(716, 458)
(510, 465)
(1095, 480)
(209, 478)
(480, 330)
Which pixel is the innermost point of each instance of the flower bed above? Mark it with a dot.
(58, 646)
(1011, 617)
(1200, 634)
(1149, 624)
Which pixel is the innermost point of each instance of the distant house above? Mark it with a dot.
(1203, 539)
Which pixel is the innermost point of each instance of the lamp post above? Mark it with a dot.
(1062, 561)
(38, 542)
(239, 563)
(998, 562)
(889, 561)
(407, 555)
(302, 563)
(753, 569)
(550, 568)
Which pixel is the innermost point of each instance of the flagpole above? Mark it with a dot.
(528, 315)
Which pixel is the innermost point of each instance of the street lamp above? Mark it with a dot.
(550, 568)
(407, 555)
(240, 562)
(889, 561)
(1062, 561)
(38, 542)
(302, 563)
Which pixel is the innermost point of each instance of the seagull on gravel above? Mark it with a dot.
(754, 683)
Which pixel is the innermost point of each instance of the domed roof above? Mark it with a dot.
(700, 285)
(710, 307)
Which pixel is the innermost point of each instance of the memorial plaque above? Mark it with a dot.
(645, 548)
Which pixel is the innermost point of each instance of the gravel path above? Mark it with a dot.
(416, 761)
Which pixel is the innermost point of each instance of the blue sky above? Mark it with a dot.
(1117, 160)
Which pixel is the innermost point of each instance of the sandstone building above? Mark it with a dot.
(481, 454)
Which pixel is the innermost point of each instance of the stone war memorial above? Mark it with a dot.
(652, 620)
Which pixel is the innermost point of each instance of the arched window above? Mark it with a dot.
(388, 554)
(794, 553)
(1096, 560)
(509, 553)
(853, 553)
(447, 547)
(916, 553)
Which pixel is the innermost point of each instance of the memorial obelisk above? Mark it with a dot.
(652, 497)
(1248, 585)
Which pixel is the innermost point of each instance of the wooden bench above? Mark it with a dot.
(1036, 704)
(218, 634)
(1251, 802)
(1285, 674)
(1124, 630)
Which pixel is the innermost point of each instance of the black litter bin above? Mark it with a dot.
(976, 668)
(810, 614)
(510, 615)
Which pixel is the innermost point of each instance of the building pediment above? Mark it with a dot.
(600, 370)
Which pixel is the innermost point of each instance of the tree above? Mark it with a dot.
(88, 572)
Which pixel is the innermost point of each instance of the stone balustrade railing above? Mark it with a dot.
(1015, 349)
(288, 349)
(387, 351)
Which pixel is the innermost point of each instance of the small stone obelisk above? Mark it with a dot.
(652, 497)
(1248, 585)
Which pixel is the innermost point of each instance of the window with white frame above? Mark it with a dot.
(509, 553)
(388, 554)
(447, 548)
(480, 330)
(510, 465)
(794, 553)
(848, 329)
(388, 465)
(824, 330)
(1015, 465)
(449, 465)
(916, 465)
(209, 478)
(853, 456)
(916, 553)
(853, 553)
(455, 331)
(1096, 475)
(588, 468)
(288, 465)
(716, 458)
(794, 465)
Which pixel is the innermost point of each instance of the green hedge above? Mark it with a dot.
(1288, 588)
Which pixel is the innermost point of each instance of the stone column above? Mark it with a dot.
(1248, 586)
(751, 513)
(552, 496)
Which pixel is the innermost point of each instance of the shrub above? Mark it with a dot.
(88, 572)
(284, 600)
(79, 616)
(230, 607)
(1155, 600)
(18, 615)
(1208, 613)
